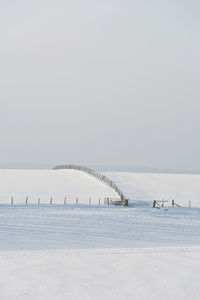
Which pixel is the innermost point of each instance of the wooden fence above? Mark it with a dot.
(99, 176)
(51, 201)
(161, 203)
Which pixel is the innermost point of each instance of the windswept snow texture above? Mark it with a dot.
(151, 186)
(83, 227)
(96, 252)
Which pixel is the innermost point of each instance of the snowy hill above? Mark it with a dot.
(71, 184)
(45, 184)
(98, 252)
(151, 186)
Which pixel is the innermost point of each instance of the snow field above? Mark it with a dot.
(59, 252)
(55, 184)
(58, 184)
(151, 186)
(140, 274)
(48, 227)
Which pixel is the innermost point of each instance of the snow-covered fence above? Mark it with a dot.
(99, 176)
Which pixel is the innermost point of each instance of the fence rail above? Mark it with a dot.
(161, 203)
(99, 176)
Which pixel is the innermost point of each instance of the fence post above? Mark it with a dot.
(99, 201)
(89, 201)
(11, 200)
(27, 200)
(65, 200)
(172, 202)
(154, 203)
(38, 200)
(100, 176)
(77, 200)
(189, 203)
(51, 201)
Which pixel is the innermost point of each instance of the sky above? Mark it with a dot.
(100, 82)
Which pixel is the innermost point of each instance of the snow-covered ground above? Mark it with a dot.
(71, 184)
(90, 252)
(98, 252)
(49, 227)
(58, 184)
(151, 186)
(125, 274)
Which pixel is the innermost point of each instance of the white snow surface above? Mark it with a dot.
(156, 186)
(58, 184)
(95, 252)
(47, 227)
(139, 274)
(86, 252)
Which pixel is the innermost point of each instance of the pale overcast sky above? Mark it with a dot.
(100, 82)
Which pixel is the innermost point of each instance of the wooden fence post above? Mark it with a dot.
(99, 201)
(89, 201)
(38, 200)
(11, 200)
(77, 200)
(27, 200)
(189, 203)
(51, 201)
(65, 200)
(172, 202)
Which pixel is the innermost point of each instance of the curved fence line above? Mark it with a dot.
(99, 176)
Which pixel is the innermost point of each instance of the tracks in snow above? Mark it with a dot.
(82, 227)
